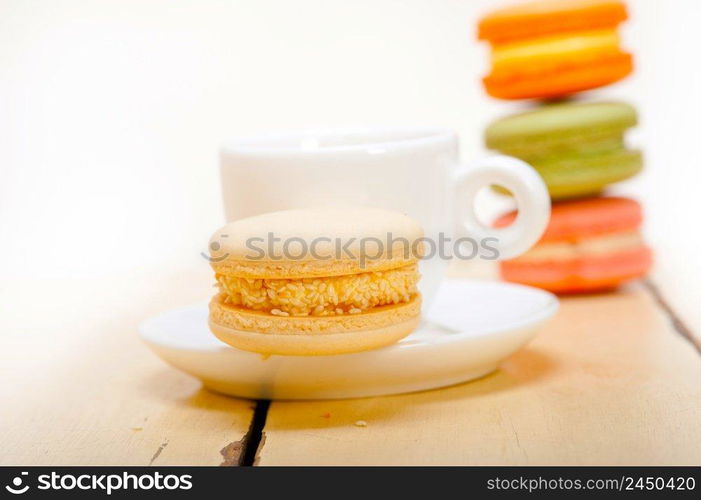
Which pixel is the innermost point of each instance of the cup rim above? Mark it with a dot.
(397, 138)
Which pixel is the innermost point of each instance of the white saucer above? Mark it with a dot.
(482, 323)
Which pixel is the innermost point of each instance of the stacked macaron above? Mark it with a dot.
(551, 50)
(591, 244)
(578, 148)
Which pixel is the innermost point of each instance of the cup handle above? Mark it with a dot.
(531, 196)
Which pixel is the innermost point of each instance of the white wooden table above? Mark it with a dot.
(613, 379)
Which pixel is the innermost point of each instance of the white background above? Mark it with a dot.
(111, 112)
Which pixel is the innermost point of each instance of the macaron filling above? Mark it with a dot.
(328, 296)
(586, 47)
(591, 246)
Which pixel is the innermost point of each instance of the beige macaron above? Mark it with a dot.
(316, 281)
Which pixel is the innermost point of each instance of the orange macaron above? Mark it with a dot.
(590, 245)
(549, 49)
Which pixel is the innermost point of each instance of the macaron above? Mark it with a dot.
(577, 147)
(316, 281)
(590, 245)
(549, 49)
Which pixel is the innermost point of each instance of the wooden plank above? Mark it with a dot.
(608, 381)
(78, 386)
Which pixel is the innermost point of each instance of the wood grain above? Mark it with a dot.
(78, 387)
(608, 381)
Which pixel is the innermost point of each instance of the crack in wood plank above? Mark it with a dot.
(246, 451)
(677, 323)
(259, 448)
(255, 437)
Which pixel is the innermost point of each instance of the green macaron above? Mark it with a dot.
(578, 148)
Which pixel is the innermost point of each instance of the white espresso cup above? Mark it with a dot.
(412, 170)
